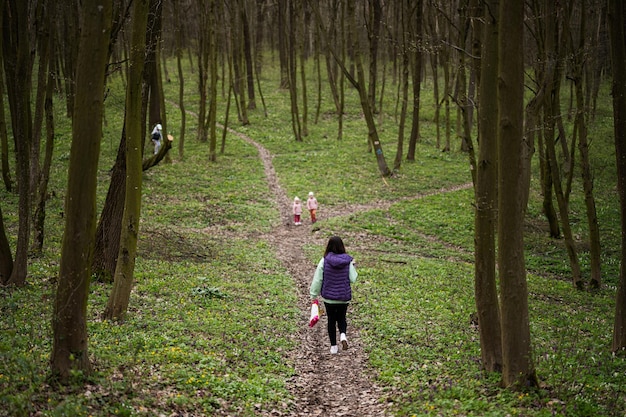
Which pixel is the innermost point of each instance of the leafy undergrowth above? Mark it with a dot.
(200, 335)
(213, 312)
(416, 318)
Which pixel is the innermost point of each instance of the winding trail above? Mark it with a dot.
(339, 385)
(323, 384)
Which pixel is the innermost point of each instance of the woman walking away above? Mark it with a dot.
(332, 279)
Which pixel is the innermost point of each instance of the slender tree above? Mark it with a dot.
(577, 75)
(551, 106)
(18, 69)
(211, 122)
(404, 84)
(43, 173)
(292, 46)
(6, 258)
(4, 138)
(416, 16)
(360, 85)
(617, 17)
(181, 79)
(485, 194)
(124, 271)
(375, 19)
(247, 53)
(69, 320)
(517, 364)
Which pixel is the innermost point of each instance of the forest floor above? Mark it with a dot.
(324, 384)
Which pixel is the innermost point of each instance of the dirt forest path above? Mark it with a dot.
(339, 385)
(323, 384)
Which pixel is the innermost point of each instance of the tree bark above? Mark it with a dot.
(283, 42)
(551, 106)
(359, 84)
(18, 69)
(580, 128)
(303, 57)
(181, 82)
(4, 138)
(247, 53)
(124, 270)
(69, 46)
(6, 258)
(375, 17)
(404, 84)
(485, 288)
(617, 16)
(211, 122)
(43, 175)
(110, 223)
(203, 64)
(417, 16)
(69, 321)
(517, 364)
(296, 124)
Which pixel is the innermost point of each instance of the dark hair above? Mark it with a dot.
(335, 245)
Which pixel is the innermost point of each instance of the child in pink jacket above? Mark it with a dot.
(311, 205)
(297, 211)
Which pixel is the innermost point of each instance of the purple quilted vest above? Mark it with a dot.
(336, 282)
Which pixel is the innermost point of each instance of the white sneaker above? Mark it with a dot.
(344, 341)
(334, 350)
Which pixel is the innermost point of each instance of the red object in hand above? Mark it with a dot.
(315, 313)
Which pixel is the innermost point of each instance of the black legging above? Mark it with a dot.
(336, 317)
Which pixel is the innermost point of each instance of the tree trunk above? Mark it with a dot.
(6, 258)
(303, 56)
(403, 108)
(293, 87)
(18, 69)
(4, 138)
(517, 363)
(416, 17)
(238, 62)
(152, 70)
(124, 270)
(551, 106)
(580, 127)
(69, 44)
(110, 222)
(464, 102)
(341, 87)
(283, 43)
(318, 72)
(617, 16)
(405, 20)
(43, 175)
(203, 67)
(258, 53)
(69, 321)
(485, 288)
(247, 53)
(211, 122)
(181, 83)
(375, 17)
(536, 114)
(359, 84)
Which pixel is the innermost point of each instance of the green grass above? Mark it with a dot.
(200, 335)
